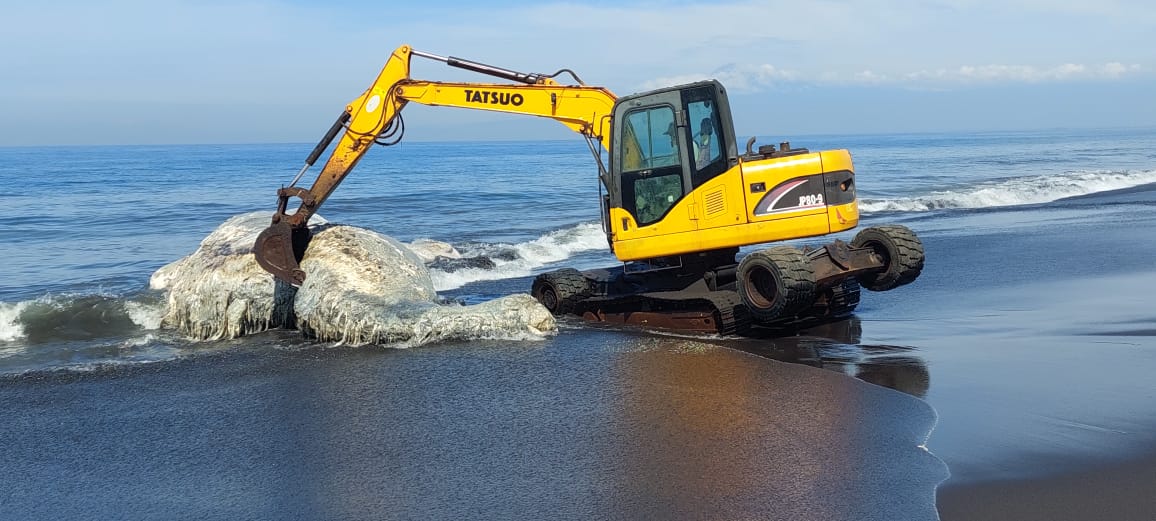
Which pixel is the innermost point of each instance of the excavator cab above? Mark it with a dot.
(670, 141)
(679, 186)
(667, 144)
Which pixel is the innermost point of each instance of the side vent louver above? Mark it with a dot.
(716, 202)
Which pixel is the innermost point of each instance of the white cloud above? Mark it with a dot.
(735, 77)
(869, 77)
(750, 78)
(970, 74)
(1117, 69)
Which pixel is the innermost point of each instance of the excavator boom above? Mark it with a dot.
(375, 118)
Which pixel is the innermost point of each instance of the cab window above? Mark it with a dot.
(654, 195)
(651, 172)
(706, 136)
(653, 131)
(704, 128)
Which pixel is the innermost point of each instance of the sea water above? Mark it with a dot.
(87, 226)
(1028, 333)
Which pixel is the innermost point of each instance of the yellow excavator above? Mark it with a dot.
(679, 201)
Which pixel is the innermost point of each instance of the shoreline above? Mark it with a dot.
(1122, 491)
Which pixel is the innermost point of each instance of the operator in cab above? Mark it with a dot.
(702, 138)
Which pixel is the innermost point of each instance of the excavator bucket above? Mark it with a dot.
(279, 250)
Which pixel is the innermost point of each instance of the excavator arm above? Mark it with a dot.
(374, 118)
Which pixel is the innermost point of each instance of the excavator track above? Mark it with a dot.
(719, 312)
(734, 319)
(838, 302)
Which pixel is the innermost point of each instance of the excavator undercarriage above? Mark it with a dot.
(780, 287)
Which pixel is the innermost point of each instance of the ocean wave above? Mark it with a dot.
(10, 327)
(487, 261)
(77, 317)
(1015, 192)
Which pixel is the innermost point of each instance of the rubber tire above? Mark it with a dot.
(561, 291)
(902, 254)
(776, 283)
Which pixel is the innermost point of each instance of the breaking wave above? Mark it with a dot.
(456, 266)
(76, 317)
(10, 327)
(1014, 192)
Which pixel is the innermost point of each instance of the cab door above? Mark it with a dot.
(716, 179)
(651, 167)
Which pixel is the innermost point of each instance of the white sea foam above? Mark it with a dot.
(553, 247)
(146, 315)
(428, 249)
(140, 341)
(1017, 191)
(10, 328)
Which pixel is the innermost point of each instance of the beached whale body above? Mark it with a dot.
(362, 287)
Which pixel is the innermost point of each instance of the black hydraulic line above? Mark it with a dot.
(570, 72)
(396, 127)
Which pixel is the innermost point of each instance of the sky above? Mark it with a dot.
(169, 71)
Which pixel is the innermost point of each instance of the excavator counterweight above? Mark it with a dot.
(678, 202)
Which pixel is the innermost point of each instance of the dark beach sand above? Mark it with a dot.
(590, 425)
(1124, 491)
(1037, 329)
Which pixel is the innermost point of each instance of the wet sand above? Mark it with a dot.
(1038, 333)
(589, 425)
(1121, 492)
(1057, 428)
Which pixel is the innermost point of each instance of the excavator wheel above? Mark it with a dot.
(561, 290)
(902, 254)
(776, 283)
